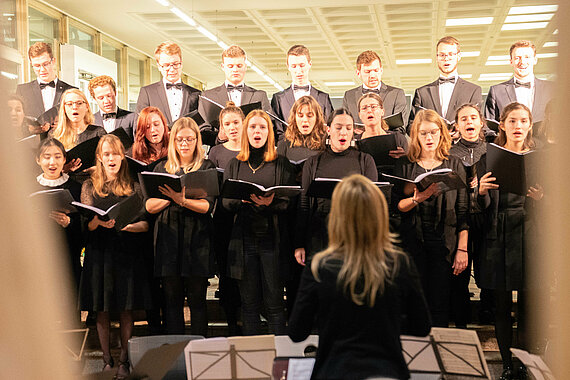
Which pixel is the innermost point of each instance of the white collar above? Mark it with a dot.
(308, 84)
(455, 75)
(164, 81)
(52, 182)
(41, 81)
(375, 88)
(528, 79)
(227, 82)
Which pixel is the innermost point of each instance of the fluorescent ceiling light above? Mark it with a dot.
(498, 63)
(530, 18)
(547, 55)
(207, 33)
(498, 57)
(470, 54)
(466, 76)
(268, 78)
(550, 44)
(8, 75)
(8, 14)
(555, 31)
(278, 86)
(223, 45)
(468, 21)
(349, 83)
(189, 20)
(257, 70)
(525, 26)
(533, 9)
(412, 61)
(164, 3)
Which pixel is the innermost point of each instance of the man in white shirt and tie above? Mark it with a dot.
(523, 87)
(174, 98)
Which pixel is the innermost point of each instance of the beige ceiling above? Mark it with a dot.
(334, 31)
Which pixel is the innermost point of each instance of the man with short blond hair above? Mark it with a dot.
(45, 91)
(233, 89)
(523, 87)
(174, 98)
(449, 92)
(104, 90)
(369, 69)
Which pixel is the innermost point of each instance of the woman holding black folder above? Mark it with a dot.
(231, 124)
(151, 138)
(338, 160)
(183, 233)
(259, 235)
(510, 237)
(434, 227)
(113, 278)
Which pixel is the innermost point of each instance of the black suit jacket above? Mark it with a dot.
(125, 119)
(393, 98)
(504, 93)
(155, 95)
(428, 97)
(32, 96)
(220, 95)
(284, 100)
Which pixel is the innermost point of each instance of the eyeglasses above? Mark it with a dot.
(433, 133)
(174, 65)
(187, 140)
(442, 56)
(373, 107)
(77, 103)
(44, 65)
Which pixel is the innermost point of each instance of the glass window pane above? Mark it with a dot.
(154, 74)
(80, 38)
(136, 75)
(43, 28)
(113, 54)
(10, 73)
(8, 23)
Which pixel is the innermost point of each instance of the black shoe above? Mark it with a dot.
(508, 374)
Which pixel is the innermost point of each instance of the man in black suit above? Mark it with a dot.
(174, 98)
(523, 87)
(104, 90)
(45, 92)
(299, 63)
(449, 91)
(234, 88)
(369, 69)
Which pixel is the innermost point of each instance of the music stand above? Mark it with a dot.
(534, 364)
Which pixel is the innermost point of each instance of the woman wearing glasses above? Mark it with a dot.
(434, 225)
(183, 233)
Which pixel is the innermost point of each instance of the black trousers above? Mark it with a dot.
(175, 288)
(261, 286)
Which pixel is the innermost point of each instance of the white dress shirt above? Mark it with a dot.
(445, 92)
(109, 124)
(525, 95)
(300, 93)
(174, 97)
(48, 95)
(235, 95)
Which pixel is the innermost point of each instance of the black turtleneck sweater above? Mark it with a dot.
(470, 153)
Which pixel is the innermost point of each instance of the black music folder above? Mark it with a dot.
(57, 199)
(199, 184)
(379, 148)
(136, 166)
(515, 172)
(123, 212)
(213, 109)
(394, 121)
(324, 187)
(239, 189)
(446, 179)
(86, 150)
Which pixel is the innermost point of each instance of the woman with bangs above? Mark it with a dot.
(113, 277)
(231, 125)
(183, 233)
(74, 123)
(358, 289)
(510, 243)
(434, 227)
(259, 234)
(151, 138)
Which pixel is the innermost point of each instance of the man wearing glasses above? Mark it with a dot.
(174, 98)
(446, 94)
(45, 92)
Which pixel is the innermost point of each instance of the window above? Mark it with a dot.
(82, 39)
(9, 71)
(136, 75)
(8, 23)
(155, 75)
(43, 28)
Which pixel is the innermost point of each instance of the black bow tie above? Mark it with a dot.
(367, 90)
(110, 115)
(522, 84)
(44, 85)
(446, 80)
(231, 87)
(174, 85)
(301, 88)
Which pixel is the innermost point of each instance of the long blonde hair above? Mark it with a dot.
(122, 185)
(64, 132)
(360, 236)
(415, 148)
(173, 164)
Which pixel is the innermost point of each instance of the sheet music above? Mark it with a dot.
(534, 364)
(300, 369)
(418, 354)
(460, 351)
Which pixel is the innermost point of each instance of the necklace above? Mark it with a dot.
(257, 168)
(424, 166)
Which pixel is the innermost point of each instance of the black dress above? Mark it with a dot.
(358, 342)
(221, 156)
(400, 142)
(114, 276)
(73, 232)
(182, 238)
(311, 232)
